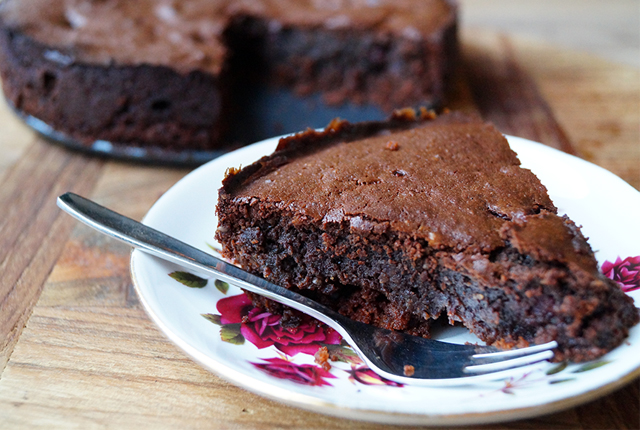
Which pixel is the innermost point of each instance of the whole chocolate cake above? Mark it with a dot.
(397, 223)
(179, 74)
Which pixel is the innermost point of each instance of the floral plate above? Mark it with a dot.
(216, 325)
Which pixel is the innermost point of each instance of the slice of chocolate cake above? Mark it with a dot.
(177, 75)
(396, 223)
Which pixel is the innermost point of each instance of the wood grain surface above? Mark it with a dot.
(78, 351)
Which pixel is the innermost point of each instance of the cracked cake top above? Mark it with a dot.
(452, 180)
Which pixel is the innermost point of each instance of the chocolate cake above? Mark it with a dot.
(396, 223)
(178, 75)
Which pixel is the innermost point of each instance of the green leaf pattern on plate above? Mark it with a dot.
(222, 286)
(557, 369)
(189, 279)
(214, 318)
(231, 333)
(590, 366)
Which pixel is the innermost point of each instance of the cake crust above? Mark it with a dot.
(464, 232)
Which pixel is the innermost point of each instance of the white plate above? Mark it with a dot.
(605, 205)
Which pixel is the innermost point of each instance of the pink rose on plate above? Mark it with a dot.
(233, 308)
(306, 374)
(625, 272)
(263, 329)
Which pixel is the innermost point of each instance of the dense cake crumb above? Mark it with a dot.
(321, 358)
(409, 370)
(449, 225)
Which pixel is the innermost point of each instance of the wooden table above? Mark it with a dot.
(78, 351)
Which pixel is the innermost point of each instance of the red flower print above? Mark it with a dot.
(240, 321)
(625, 272)
(366, 376)
(263, 329)
(306, 374)
(233, 308)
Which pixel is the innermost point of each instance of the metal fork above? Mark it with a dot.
(392, 355)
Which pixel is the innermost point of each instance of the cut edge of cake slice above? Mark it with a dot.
(397, 223)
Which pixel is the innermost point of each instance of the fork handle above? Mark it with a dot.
(168, 248)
